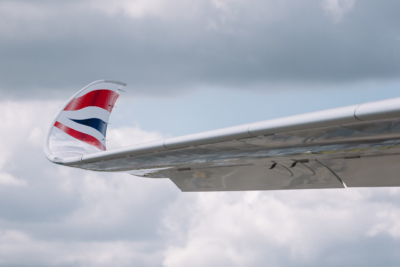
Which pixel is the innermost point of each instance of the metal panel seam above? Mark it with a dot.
(355, 113)
(334, 173)
(248, 130)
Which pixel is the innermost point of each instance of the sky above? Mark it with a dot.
(190, 66)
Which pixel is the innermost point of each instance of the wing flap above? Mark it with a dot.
(257, 176)
(376, 171)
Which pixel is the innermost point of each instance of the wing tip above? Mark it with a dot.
(47, 151)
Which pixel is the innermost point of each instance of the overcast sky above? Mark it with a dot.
(164, 47)
(190, 66)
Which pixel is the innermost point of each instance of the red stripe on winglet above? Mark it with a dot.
(103, 98)
(88, 139)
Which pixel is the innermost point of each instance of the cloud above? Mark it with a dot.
(8, 179)
(141, 8)
(338, 8)
(284, 228)
(125, 136)
(51, 49)
(388, 223)
(50, 253)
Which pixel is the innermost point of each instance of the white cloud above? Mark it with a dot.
(254, 228)
(388, 222)
(338, 8)
(22, 131)
(8, 179)
(135, 9)
(139, 9)
(125, 136)
(15, 243)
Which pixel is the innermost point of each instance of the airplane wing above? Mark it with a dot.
(354, 146)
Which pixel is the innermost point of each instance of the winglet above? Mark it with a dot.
(80, 127)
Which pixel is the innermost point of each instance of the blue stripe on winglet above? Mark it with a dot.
(95, 123)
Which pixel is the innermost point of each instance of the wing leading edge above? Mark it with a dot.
(355, 146)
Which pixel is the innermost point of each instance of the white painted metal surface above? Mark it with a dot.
(62, 147)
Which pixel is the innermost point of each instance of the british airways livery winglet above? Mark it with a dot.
(80, 127)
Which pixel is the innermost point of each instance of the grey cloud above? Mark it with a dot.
(56, 203)
(254, 44)
(288, 229)
(50, 212)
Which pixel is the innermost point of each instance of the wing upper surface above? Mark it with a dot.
(358, 155)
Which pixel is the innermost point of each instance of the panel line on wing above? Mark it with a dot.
(340, 179)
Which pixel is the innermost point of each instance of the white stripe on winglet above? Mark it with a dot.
(87, 113)
(82, 128)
